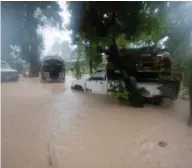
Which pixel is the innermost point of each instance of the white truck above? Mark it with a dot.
(98, 83)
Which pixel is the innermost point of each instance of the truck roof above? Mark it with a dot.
(52, 58)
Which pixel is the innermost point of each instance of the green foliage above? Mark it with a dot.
(92, 54)
(121, 41)
(120, 95)
(86, 54)
(118, 90)
(77, 69)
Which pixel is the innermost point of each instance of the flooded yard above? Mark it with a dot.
(48, 125)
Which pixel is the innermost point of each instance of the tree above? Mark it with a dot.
(20, 24)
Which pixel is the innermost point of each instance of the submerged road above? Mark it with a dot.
(48, 125)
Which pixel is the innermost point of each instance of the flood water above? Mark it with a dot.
(48, 125)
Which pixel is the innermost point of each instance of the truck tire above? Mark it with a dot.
(42, 80)
(157, 100)
(61, 81)
(137, 101)
(17, 79)
(78, 87)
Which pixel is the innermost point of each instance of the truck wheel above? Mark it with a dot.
(78, 87)
(16, 79)
(157, 100)
(42, 80)
(137, 101)
(62, 81)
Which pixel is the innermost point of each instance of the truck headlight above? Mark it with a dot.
(46, 74)
(61, 74)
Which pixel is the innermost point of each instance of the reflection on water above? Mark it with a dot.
(46, 125)
(54, 87)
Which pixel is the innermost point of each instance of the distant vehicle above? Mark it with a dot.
(7, 73)
(52, 69)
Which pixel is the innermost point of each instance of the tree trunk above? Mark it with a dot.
(30, 47)
(90, 52)
(34, 68)
(90, 66)
(77, 69)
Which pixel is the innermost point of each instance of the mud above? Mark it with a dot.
(48, 125)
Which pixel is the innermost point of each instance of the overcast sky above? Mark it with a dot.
(51, 34)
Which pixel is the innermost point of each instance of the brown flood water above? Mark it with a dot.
(50, 126)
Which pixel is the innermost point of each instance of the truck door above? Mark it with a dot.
(97, 82)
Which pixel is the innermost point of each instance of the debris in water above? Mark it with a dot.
(50, 161)
(162, 143)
